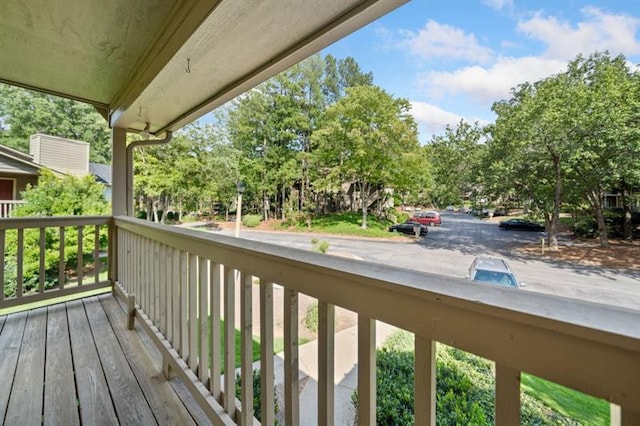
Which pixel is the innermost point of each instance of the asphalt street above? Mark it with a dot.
(449, 250)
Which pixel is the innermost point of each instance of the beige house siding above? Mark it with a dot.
(63, 155)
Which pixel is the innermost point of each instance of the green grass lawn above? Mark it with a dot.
(348, 224)
(586, 409)
(278, 346)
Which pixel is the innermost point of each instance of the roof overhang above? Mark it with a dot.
(166, 63)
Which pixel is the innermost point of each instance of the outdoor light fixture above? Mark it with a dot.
(240, 186)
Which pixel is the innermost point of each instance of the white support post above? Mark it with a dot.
(366, 370)
(507, 395)
(326, 356)
(425, 382)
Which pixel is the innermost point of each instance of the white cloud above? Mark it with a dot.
(499, 4)
(486, 85)
(599, 31)
(433, 119)
(443, 41)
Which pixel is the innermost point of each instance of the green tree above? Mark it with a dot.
(531, 140)
(363, 140)
(63, 196)
(454, 159)
(197, 169)
(606, 155)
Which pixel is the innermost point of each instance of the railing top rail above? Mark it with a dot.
(516, 305)
(52, 221)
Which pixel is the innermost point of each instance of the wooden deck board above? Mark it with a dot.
(152, 382)
(25, 401)
(126, 394)
(95, 402)
(10, 342)
(76, 363)
(60, 403)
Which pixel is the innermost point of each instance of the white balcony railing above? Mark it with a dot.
(7, 207)
(181, 283)
(45, 258)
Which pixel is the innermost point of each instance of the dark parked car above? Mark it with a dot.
(499, 212)
(430, 218)
(493, 270)
(407, 228)
(521, 225)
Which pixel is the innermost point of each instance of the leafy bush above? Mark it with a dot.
(251, 220)
(320, 246)
(465, 387)
(311, 317)
(401, 216)
(585, 228)
(173, 216)
(257, 396)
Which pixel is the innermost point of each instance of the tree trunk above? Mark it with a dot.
(149, 210)
(626, 208)
(557, 202)
(364, 197)
(602, 226)
(155, 210)
(282, 204)
(265, 205)
(163, 208)
(595, 201)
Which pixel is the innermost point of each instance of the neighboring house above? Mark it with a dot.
(69, 157)
(612, 200)
(17, 170)
(102, 173)
(61, 156)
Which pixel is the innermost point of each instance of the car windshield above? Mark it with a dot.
(503, 279)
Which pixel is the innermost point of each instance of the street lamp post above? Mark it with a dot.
(240, 186)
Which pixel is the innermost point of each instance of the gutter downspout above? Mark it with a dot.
(130, 148)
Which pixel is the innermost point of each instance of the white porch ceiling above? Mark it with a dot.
(164, 62)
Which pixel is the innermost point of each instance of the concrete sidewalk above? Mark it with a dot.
(346, 375)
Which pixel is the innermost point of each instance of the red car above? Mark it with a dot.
(430, 218)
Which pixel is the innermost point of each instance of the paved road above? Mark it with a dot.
(450, 248)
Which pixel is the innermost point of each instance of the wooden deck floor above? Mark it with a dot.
(76, 363)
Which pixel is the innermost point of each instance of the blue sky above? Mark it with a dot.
(453, 58)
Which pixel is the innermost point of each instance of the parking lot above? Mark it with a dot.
(449, 250)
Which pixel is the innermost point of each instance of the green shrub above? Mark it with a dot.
(251, 220)
(257, 396)
(465, 388)
(585, 228)
(171, 215)
(401, 216)
(320, 246)
(311, 317)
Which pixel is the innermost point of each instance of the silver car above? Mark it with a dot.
(493, 270)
